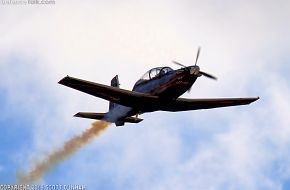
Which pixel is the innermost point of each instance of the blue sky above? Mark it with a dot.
(244, 43)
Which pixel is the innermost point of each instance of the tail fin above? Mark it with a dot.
(114, 83)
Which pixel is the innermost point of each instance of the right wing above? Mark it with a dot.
(183, 104)
(112, 94)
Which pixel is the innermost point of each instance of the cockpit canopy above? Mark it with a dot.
(153, 73)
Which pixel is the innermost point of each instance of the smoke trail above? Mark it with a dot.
(70, 147)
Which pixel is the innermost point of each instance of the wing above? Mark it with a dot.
(182, 104)
(146, 102)
(113, 94)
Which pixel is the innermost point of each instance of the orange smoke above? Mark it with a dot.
(70, 147)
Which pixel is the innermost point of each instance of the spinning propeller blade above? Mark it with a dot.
(208, 75)
(197, 55)
(177, 63)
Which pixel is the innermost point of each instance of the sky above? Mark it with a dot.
(246, 44)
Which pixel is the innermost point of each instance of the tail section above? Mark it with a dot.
(114, 83)
(100, 116)
(89, 115)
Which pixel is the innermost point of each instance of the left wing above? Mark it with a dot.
(182, 104)
(112, 94)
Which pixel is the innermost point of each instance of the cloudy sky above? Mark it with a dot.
(246, 44)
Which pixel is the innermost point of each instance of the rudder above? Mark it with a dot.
(114, 83)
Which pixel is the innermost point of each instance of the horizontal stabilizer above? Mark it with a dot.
(132, 120)
(100, 116)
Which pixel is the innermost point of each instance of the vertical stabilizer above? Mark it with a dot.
(114, 83)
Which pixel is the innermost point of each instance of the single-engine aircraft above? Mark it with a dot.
(157, 90)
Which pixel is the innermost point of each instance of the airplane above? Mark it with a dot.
(158, 89)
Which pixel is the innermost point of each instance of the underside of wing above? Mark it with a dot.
(112, 94)
(182, 104)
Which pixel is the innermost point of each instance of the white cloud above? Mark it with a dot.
(243, 44)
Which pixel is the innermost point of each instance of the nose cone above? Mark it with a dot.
(194, 70)
(194, 67)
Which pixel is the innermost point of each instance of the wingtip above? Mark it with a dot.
(255, 99)
(77, 114)
(62, 81)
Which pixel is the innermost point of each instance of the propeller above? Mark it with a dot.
(177, 63)
(208, 75)
(195, 71)
(197, 55)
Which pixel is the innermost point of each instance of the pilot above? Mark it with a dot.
(161, 72)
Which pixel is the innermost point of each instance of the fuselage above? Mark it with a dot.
(162, 82)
